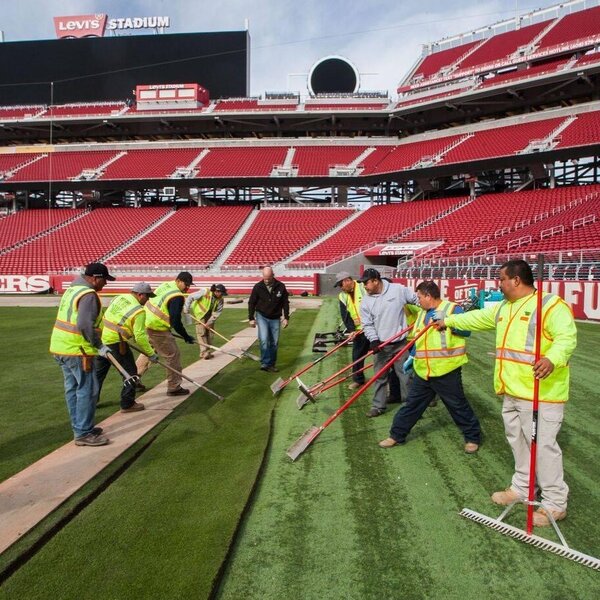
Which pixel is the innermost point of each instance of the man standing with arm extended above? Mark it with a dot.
(163, 313)
(350, 298)
(382, 315)
(125, 319)
(515, 322)
(75, 343)
(205, 305)
(267, 304)
(437, 366)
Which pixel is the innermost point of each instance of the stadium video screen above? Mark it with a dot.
(109, 68)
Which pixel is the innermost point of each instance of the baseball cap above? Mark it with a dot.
(143, 288)
(370, 274)
(340, 277)
(186, 277)
(221, 288)
(98, 270)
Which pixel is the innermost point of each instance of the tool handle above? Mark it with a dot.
(373, 379)
(536, 396)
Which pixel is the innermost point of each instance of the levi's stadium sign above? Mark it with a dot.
(95, 25)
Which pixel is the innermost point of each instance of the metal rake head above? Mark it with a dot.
(131, 380)
(534, 540)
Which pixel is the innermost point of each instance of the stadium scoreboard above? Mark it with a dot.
(109, 68)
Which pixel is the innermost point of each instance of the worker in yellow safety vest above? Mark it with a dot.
(75, 343)
(437, 363)
(205, 306)
(350, 297)
(124, 321)
(163, 313)
(515, 322)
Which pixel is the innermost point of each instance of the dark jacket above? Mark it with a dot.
(269, 305)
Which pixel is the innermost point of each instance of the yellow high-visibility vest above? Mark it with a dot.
(352, 303)
(201, 306)
(119, 317)
(66, 337)
(438, 352)
(515, 348)
(157, 309)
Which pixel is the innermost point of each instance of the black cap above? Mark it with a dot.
(186, 277)
(98, 270)
(221, 288)
(370, 274)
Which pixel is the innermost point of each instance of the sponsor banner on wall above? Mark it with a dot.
(582, 296)
(234, 285)
(24, 284)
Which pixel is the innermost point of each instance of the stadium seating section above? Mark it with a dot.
(277, 233)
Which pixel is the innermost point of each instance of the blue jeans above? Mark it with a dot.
(268, 338)
(422, 391)
(81, 393)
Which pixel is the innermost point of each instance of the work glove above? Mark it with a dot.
(154, 358)
(438, 315)
(104, 351)
(190, 340)
(375, 346)
(407, 367)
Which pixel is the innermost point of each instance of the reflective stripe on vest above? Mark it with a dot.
(203, 305)
(448, 352)
(515, 351)
(124, 326)
(157, 311)
(66, 338)
(352, 303)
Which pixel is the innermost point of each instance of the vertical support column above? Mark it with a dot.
(342, 195)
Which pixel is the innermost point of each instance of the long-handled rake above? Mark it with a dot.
(244, 352)
(498, 524)
(280, 383)
(169, 368)
(217, 349)
(128, 378)
(311, 434)
(308, 394)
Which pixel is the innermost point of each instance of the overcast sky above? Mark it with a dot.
(383, 39)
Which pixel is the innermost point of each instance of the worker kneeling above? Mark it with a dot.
(437, 365)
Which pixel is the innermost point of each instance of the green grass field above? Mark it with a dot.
(346, 520)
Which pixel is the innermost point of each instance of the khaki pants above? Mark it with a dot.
(204, 336)
(517, 415)
(166, 347)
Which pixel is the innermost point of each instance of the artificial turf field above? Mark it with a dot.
(346, 520)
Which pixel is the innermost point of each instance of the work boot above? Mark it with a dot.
(91, 439)
(389, 443)
(208, 356)
(471, 447)
(179, 391)
(540, 517)
(375, 412)
(505, 497)
(354, 385)
(135, 407)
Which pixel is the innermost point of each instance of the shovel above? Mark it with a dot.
(311, 434)
(198, 385)
(279, 383)
(244, 352)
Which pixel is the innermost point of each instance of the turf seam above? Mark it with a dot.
(237, 532)
(25, 556)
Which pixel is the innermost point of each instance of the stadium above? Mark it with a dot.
(486, 151)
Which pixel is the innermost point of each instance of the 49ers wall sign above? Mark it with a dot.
(24, 284)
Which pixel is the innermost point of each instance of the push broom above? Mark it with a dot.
(498, 524)
(311, 434)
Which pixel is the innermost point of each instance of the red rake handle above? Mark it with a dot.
(369, 353)
(536, 397)
(323, 388)
(371, 381)
(317, 361)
